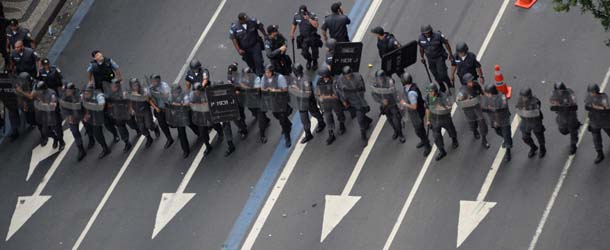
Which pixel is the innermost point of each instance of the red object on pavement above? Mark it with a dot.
(526, 4)
(500, 84)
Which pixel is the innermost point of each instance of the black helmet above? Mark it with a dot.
(272, 28)
(232, 67)
(378, 30)
(468, 77)
(70, 85)
(198, 86)
(335, 7)
(155, 77)
(41, 85)
(298, 69)
(195, 64)
(269, 67)
(347, 69)
(324, 72)
(246, 70)
(525, 92)
(593, 87)
(331, 43)
(461, 47)
(426, 28)
(559, 85)
(380, 73)
(491, 88)
(406, 78)
(432, 87)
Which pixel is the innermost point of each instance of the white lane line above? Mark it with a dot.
(426, 165)
(299, 148)
(40, 153)
(141, 139)
(562, 177)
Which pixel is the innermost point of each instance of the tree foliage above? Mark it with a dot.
(599, 8)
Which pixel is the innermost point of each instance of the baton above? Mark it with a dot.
(428, 72)
(293, 54)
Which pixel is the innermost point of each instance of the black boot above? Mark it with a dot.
(91, 143)
(368, 121)
(401, 138)
(243, 134)
(116, 138)
(331, 137)
(81, 153)
(314, 65)
(169, 142)
(62, 144)
(208, 149)
(455, 143)
(427, 149)
(508, 156)
(127, 146)
(263, 139)
(477, 135)
(542, 151)
(104, 153)
(149, 141)
(157, 131)
(321, 126)
(308, 65)
(230, 149)
(533, 150)
(287, 139)
(421, 144)
(55, 143)
(484, 142)
(600, 156)
(365, 140)
(186, 154)
(573, 149)
(341, 128)
(308, 137)
(441, 154)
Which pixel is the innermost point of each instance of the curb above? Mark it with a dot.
(46, 19)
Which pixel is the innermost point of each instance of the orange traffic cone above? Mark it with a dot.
(525, 3)
(500, 84)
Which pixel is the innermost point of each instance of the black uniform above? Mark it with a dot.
(94, 118)
(329, 103)
(280, 61)
(528, 108)
(469, 100)
(387, 44)
(436, 56)
(336, 24)
(51, 77)
(439, 116)
(102, 72)
(599, 118)
(351, 91)
(303, 100)
(418, 114)
(277, 103)
(563, 102)
(384, 92)
(25, 61)
(21, 34)
(468, 64)
(496, 106)
(198, 75)
(249, 41)
(308, 38)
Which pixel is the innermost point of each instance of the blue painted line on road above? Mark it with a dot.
(279, 158)
(58, 46)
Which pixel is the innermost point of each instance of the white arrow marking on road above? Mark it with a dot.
(473, 212)
(562, 177)
(28, 205)
(424, 169)
(39, 154)
(172, 203)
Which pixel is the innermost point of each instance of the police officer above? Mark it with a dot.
(326, 91)
(351, 90)
(178, 115)
(117, 111)
(45, 101)
(274, 86)
(468, 99)
(140, 106)
(563, 102)
(386, 41)
(71, 107)
(159, 93)
(431, 44)
(336, 24)
(200, 115)
(247, 42)
(102, 69)
(465, 62)
(599, 117)
(528, 108)
(24, 59)
(94, 117)
(195, 74)
(15, 33)
(25, 102)
(415, 106)
(50, 74)
(438, 116)
(233, 78)
(302, 96)
(308, 38)
(384, 92)
(4, 51)
(275, 49)
(496, 106)
(330, 51)
(227, 130)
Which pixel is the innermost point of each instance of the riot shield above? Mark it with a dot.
(528, 107)
(250, 95)
(45, 105)
(497, 106)
(599, 110)
(7, 90)
(301, 92)
(93, 110)
(351, 89)
(470, 104)
(138, 97)
(274, 99)
(117, 100)
(384, 91)
(223, 102)
(200, 115)
(563, 100)
(70, 105)
(159, 92)
(25, 103)
(178, 110)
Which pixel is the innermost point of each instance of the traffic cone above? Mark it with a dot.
(526, 4)
(500, 84)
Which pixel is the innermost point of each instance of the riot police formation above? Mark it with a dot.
(384, 92)
(563, 102)
(431, 45)
(496, 106)
(302, 99)
(308, 40)
(464, 62)
(328, 98)
(274, 98)
(438, 116)
(468, 99)
(412, 101)
(598, 107)
(528, 109)
(386, 42)
(275, 49)
(247, 42)
(351, 88)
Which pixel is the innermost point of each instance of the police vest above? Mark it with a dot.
(433, 48)
(102, 72)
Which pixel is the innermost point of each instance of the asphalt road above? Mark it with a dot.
(534, 47)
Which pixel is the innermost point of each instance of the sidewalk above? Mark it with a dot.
(35, 15)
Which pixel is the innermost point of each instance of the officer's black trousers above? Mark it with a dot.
(394, 117)
(479, 126)
(305, 118)
(597, 137)
(163, 123)
(121, 126)
(184, 142)
(504, 132)
(309, 44)
(565, 128)
(526, 133)
(254, 58)
(78, 138)
(329, 118)
(263, 121)
(285, 123)
(438, 135)
(420, 130)
(109, 123)
(363, 119)
(13, 115)
(438, 68)
(98, 133)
